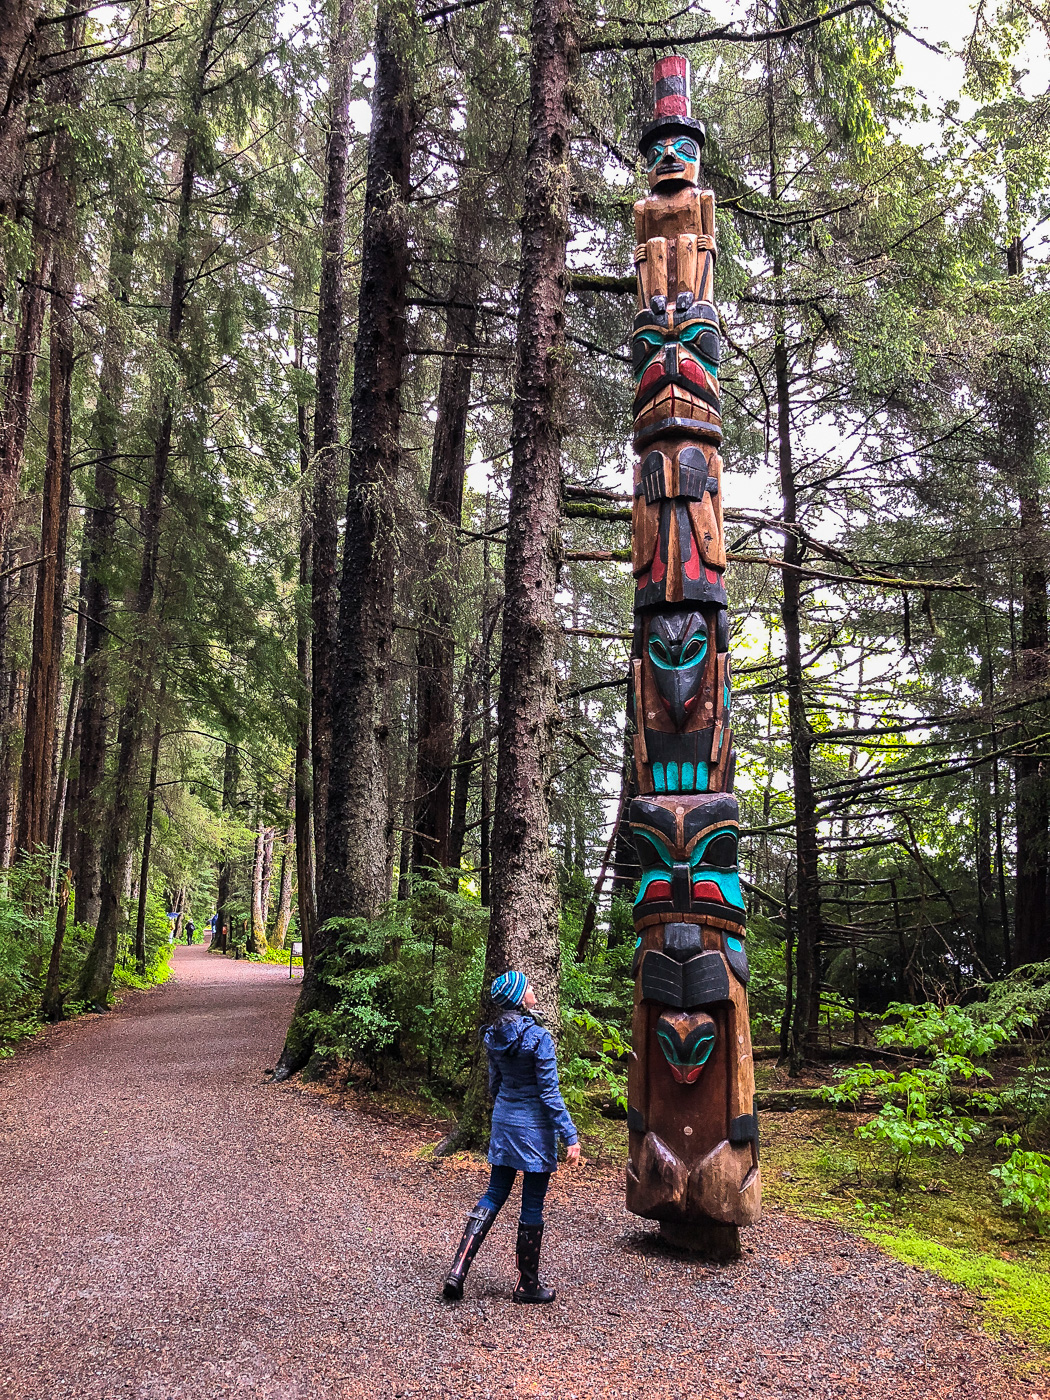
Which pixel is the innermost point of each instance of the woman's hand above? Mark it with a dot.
(572, 1155)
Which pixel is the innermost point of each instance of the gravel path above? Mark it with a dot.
(176, 1226)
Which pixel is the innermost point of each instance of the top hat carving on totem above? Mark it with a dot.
(693, 1131)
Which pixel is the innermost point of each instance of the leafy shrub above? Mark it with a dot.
(1024, 1185)
(158, 943)
(916, 1115)
(948, 1030)
(917, 1112)
(1027, 1098)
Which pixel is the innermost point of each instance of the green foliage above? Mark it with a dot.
(158, 948)
(917, 1114)
(407, 985)
(948, 1031)
(1024, 1180)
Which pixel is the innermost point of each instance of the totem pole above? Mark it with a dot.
(693, 1131)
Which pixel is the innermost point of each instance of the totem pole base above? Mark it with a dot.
(712, 1239)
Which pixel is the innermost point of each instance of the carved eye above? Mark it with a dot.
(658, 652)
(649, 854)
(721, 852)
(655, 154)
(653, 338)
(694, 649)
(685, 148)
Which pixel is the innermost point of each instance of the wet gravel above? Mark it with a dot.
(174, 1225)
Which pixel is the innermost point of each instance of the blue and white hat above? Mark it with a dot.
(509, 988)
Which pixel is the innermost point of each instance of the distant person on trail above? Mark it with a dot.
(528, 1116)
(191, 929)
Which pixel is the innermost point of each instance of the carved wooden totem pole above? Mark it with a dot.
(693, 1132)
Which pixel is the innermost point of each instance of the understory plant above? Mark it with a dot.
(920, 1109)
(1024, 1184)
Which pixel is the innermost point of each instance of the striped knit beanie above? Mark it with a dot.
(509, 988)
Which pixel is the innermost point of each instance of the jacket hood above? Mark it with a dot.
(504, 1036)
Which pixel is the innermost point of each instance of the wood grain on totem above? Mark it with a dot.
(684, 1164)
(666, 217)
(708, 713)
(705, 514)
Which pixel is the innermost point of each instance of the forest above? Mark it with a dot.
(315, 508)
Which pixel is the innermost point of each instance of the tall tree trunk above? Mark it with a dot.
(808, 918)
(98, 967)
(466, 759)
(33, 824)
(435, 648)
(356, 844)
(523, 928)
(488, 627)
(304, 828)
(523, 931)
(284, 896)
(11, 739)
(100, 529)
(1018, 443)
(147, 846)
(408, 796)
(17, 54)
(257, 929)
(51, 1002)
(267, 872)
(21, 372)
(325, 538)
(222, 894)
(59, 836)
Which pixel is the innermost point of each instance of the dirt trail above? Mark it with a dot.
(176, 1226)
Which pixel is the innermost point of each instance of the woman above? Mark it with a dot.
(528, 1116)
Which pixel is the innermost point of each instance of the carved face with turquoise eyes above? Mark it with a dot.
(685, 353)
(706, 881)
(687, 1039)
(678, 649)
(673, 158)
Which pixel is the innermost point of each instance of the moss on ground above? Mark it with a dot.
(1017, 1296)
(947, 1219)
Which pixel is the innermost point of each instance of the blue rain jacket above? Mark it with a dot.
(529, 1113)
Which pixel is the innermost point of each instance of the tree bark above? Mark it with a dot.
(524, 925)
(284, 897)
(523, 928)
(1018, 443)
(356, 843)
(51, 1002)
(325, 536)
(21, 373)
(408, 796)
(97, 972)
(488, 626)
(808, 918)
(147, 846)
(257, 932)
(466, 761)
(435, 648)
(222, 894)
(100, 529)
(59, 837)
(33, 825)
(17, 54)
(304, 827)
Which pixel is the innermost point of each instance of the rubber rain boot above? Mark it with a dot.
(479, 1222)
(529, 1289)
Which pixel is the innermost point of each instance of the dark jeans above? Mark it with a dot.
(533, 1189)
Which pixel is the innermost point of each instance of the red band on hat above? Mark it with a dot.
(671, 86)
